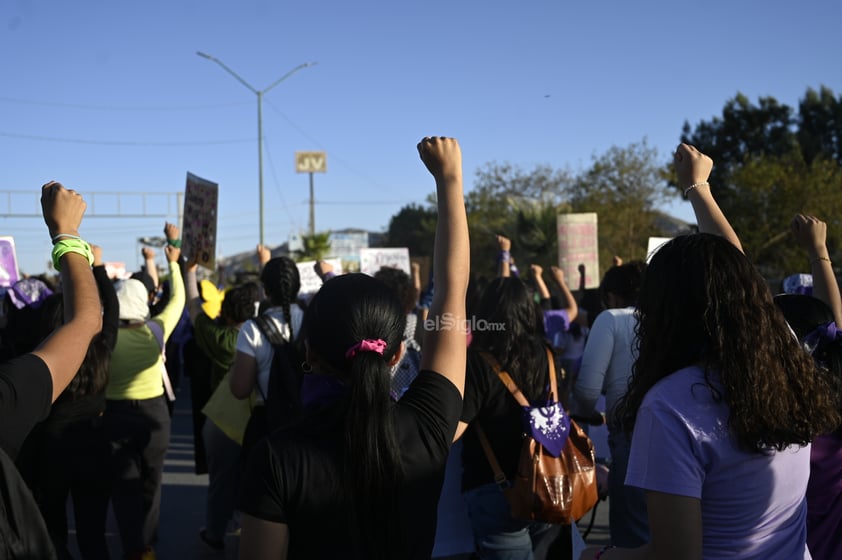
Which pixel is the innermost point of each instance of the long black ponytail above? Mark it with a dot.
(346, 311)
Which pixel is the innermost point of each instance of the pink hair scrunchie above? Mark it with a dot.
(367, 345)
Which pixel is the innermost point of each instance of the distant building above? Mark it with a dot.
(345, 244)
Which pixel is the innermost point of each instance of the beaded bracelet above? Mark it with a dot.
(693, 186)
(64, 246)
(176, 243)
(820, 259)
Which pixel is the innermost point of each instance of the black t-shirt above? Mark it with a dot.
(26, 392)
(294, 476)
(488, 401)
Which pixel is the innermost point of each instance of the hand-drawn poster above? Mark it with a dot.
(198, 235)
(9, 273)
(372, 259)
(310, 281)
(578, 247)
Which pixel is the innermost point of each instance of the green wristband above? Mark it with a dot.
(174, 243)
(64, 246)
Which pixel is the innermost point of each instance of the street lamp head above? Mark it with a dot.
(204, 55)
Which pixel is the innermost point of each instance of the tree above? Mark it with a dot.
(413, 227)
(624, 186)
(507, 200)
(772, 190)
(820, 125)
(316, 247)
(770, 164)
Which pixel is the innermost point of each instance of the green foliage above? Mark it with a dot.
(624, 186)
(769, 164)
(316, 247)
(414, 227)
(522, 205)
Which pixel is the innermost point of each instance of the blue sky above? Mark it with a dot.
(110, 96)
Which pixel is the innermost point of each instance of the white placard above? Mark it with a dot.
(371, 260)
(310, 281)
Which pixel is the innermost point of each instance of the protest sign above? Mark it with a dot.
(578, 246)
(373, 258)
(198, 235)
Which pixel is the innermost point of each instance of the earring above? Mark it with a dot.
(306, 367)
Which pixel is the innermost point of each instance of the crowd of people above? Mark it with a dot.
(358, 422)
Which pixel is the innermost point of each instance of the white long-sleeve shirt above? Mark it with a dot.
(606, 362)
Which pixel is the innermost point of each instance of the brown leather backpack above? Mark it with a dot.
(552, 489)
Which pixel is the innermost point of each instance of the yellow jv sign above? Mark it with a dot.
(310, 162)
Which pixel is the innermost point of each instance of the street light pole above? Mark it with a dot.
(259, 94)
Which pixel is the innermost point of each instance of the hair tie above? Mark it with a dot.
(367, 345)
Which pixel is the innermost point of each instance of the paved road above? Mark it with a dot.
(184, 497)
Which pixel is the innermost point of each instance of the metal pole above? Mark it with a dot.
(260, 157)
(259, 118)
(312, 208)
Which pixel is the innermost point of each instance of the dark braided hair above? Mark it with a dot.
(281, 283)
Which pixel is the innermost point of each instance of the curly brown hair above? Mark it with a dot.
(702, 302)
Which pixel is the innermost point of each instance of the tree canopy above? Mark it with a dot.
(771, 162)
(624, 186)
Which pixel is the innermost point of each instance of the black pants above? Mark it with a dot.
(139, 434)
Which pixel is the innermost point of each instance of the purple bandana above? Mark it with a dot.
(550, 426)
(29, 292)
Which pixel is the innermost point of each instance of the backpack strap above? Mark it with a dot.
(499, 477)
(512, 386)
(270, 330)
(273, 334)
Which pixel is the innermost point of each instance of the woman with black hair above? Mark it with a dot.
(723, 401)
(606, 367)
(360, 476)
(67, 454)
(508, 326)
(253, 360)
(816, 320)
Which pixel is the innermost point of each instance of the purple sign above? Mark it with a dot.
(8, 262)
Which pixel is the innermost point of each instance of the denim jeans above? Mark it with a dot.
(501, 537)
(628, 522)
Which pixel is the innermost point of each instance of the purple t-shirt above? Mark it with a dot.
(824, 498)
(753, 504)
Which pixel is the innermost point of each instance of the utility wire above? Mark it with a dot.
(124, 142)
(115, 108)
